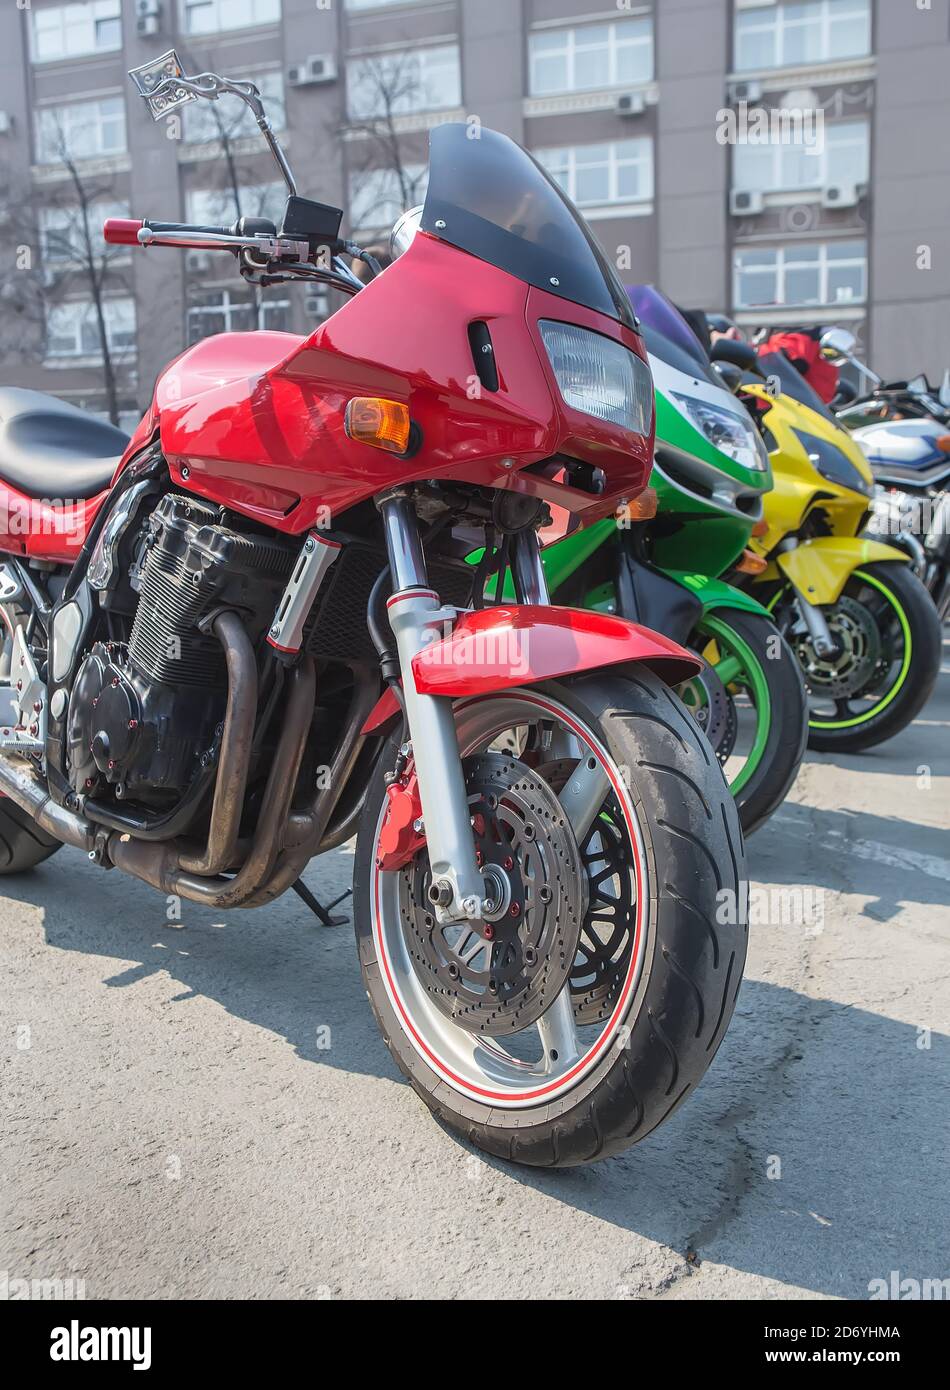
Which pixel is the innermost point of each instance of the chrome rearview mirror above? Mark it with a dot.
(155, 82)
(165, 86)
(838, 343)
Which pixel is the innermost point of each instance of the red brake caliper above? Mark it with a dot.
(399, 840)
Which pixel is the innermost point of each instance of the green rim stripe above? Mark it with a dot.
(741, 652)
(908, 653)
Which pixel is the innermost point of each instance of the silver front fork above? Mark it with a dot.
(531, 584)
(417, 619)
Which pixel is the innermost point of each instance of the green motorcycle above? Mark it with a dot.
(710, 473)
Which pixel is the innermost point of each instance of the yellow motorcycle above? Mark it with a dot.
(864, 628)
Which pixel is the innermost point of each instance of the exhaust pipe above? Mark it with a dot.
(18, 783)
(160, 864)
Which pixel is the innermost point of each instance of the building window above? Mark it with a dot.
(401, 84)
(72, 329)
(794, 35)
(218, 207)
(210, 16)
(75, 31)
(377, 199)
(80, 130)
(826, 275)
(841, 158)
(591, 56)
(376, 4)
(229, 117)
(596, 175)
(63, 238)
(235, 311)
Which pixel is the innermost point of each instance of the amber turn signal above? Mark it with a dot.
(943, 443)
(383, 424)
(751, 564)
(761, 528)
(642, 508)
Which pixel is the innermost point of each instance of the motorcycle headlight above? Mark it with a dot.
(833, 463)
(732, 434)
(599, 376)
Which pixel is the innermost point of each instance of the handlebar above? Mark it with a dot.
(125, 231)
(266, 257)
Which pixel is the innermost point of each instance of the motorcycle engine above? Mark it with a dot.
(143, 715)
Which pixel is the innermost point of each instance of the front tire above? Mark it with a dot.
(648, 1036)
(23, 844)
(907, 628)
(755, 661)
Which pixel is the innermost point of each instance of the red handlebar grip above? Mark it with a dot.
(121, 231)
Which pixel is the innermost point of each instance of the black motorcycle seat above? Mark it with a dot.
(54, 450)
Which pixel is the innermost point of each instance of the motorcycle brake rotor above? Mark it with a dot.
(497, 977)
(851, 672)
(714, 712)
(610, 915)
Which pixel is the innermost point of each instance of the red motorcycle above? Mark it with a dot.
(255, 629)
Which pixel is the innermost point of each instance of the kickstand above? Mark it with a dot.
(316, 906)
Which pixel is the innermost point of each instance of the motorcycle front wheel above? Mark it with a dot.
(750, 703)
(623, 847)
(890, 640)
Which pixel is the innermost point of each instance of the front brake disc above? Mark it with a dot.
(499, 976)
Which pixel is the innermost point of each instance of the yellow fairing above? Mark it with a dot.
(798, 485)
(820, 568)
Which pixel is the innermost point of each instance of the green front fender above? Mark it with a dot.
(716, 593)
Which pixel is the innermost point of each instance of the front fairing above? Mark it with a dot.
(799, 487)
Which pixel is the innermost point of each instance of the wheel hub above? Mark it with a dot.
(708, 701)
(859, 646)
(499, 975)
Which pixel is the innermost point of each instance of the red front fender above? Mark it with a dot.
(498, 648)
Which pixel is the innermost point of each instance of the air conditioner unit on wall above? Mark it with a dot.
(319, 67)
(841, 195)
(745, 91)
(744, 202)
(631, 104)
(147, 18)
(6, 122)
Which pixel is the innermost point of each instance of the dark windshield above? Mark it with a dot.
(658, 345)
(655, 311)
(489, 197)
(776, 364)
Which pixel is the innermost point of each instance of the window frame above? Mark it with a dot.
(416, 172)
(820, 161)
(570, 50)
(64, 10)
(614, 163)
(276, 111)
(422, 53)
(228, 309)
(785, 262)
(84, 310)
(187, 7)
(45, 156)
(774, 22)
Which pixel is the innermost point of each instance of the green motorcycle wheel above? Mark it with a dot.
(751, 704)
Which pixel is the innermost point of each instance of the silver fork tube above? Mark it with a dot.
(531, 584)
(417, 618)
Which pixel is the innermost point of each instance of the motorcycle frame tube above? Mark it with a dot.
(418, 619)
